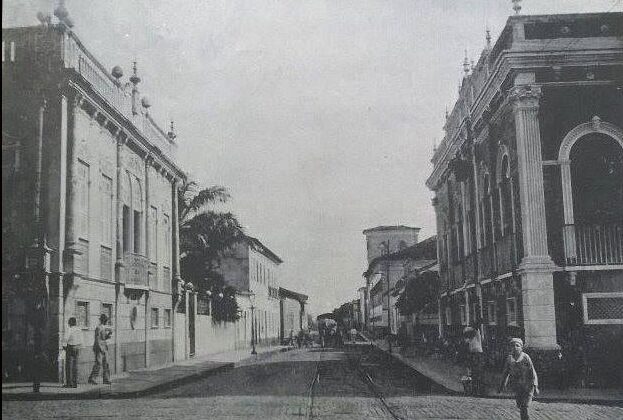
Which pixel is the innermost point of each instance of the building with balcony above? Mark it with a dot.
(528, 192)
(89, 215)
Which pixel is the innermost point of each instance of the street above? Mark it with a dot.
(308, 383)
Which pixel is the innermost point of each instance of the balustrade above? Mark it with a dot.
(593, 244)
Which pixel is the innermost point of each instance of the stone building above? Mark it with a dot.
(528, 193)
(89, 215)
(253, 269)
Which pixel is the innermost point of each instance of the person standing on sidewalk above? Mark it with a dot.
(475, 358)
(100, 347)
(71, 345)
(523, 378)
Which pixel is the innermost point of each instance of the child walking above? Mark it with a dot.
(523, 379)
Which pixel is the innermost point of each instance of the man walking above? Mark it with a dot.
(100, 348)
(71, 345)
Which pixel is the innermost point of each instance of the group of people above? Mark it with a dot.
(518, 371)
(72, 345)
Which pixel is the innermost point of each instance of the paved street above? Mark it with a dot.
(306, 383)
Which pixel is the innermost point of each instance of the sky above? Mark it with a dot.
(319, 116)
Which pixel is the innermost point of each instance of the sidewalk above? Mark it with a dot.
(141, 382)
(448, 374)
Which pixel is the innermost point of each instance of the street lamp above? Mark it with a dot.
(252, 300)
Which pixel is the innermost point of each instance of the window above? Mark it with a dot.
(126, 229)
(107, 211)
(603, 308)
(474, 314)
(448, 316)
(167, 318)
(463, 314)
(511, 311)
(138, 219)
(107, 310)
(82, 175)
(492, 309)
(153, 234)
(166, 231)
(155, 317)
(82, 314)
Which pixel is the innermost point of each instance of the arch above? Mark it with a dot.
(595, 126)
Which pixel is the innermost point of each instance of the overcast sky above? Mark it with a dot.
(319, 116)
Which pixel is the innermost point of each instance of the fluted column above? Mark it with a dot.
(536, 267)
(71, 248)
(176, 233)
(147, 218)
(569, 228)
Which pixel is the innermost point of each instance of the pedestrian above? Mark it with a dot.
(520, 370)
(100, 347)
(475, 355)
(71, 345)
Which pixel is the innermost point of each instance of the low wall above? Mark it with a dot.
(214, 337)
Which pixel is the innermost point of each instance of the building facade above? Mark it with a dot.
(253, 269)
(89, 206)
(292, 313)
(528, 192)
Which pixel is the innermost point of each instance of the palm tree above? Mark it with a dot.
(205, 234)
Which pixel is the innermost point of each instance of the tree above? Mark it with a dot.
(205, 235)
(419, 292)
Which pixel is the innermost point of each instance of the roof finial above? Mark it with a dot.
(488, 38)
(466, 64)
(171, 134)
(134, 78)
(516, 6)
(434, 145)
(62, 14)
(447, 114)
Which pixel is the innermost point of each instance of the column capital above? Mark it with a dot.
(525, 96)
(122, 138)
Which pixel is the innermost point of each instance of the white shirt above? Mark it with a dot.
(73, 336)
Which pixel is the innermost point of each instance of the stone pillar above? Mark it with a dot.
(71, 247)
(176, 232)
(147, 218)
(119, 264)
(536, 267)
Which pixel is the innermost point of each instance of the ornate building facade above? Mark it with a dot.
(80, 148)
(528, 192)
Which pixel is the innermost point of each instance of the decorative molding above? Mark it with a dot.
(525, 96)
(596, 125)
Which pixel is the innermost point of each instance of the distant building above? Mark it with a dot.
(528, 193)
(292, 313)
(89, 213)
(252, 268)
(399, 237)
(385, 278)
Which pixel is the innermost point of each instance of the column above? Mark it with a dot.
(71, 248)
(569, 228)
(147, 218)
(176, 232)
(536, 267)
(119, 264)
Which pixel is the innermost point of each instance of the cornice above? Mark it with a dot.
(138, 140)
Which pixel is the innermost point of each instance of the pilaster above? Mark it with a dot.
(536, 268)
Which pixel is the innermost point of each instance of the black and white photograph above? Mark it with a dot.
(312, 209)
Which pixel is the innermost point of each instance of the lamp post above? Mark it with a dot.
(252, 300)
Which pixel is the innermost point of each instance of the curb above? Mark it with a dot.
(541, 399)
(105, 394)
